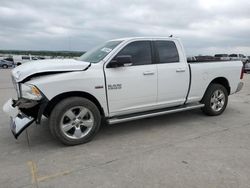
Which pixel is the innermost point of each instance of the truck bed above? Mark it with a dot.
(202, 73)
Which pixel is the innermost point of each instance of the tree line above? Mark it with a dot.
(43, 53)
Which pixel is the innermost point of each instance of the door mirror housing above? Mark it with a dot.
(120, 61)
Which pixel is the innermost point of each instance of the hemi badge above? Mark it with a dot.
(98, 87)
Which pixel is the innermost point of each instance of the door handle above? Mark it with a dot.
(148, 73)
(180, 70)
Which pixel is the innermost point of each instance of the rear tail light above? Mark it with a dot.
(242, 73)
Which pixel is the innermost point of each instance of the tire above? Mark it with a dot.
(5, 66)
(74, 121)
(215, 100)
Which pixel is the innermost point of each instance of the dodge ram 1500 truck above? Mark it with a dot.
(120, 80)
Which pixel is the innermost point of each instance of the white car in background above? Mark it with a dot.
(240, 57)
(20, 59)
(191, 59)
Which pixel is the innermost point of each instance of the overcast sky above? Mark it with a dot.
(205, 26)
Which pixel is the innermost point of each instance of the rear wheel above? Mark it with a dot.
(75, 121)
(215, 100)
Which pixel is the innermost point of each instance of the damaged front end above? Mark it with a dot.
(31, 102)
(23, 112)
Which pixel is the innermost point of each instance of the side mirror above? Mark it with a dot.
(121, 61)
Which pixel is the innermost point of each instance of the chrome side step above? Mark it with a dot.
(132, 117)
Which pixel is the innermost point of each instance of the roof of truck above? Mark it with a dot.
(132, 38)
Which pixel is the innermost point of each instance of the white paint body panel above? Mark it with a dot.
(53, 65)
(138, 92)
(82, 81)
(204, 73)
(172, 85)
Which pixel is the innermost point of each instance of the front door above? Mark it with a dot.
(132, 88)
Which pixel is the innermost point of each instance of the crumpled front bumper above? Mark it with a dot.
(18, 120)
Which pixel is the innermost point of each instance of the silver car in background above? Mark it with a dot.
(6, 64)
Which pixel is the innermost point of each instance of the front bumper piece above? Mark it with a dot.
(18, 120)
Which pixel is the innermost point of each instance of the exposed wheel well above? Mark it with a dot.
(223, 81)
(52, 103)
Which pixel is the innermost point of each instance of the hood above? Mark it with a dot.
(47, 66)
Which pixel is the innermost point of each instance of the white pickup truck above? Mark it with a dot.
(120, 80)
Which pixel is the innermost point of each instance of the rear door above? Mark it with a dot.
(173, 73)
(133, 88)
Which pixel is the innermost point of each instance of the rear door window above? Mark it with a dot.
(167, 52)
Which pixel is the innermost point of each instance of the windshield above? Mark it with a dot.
(97, 54)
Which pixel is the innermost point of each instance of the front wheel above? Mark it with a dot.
(75, 120)
(5, 66)
(215, 100)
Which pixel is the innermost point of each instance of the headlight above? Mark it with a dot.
(30, 92)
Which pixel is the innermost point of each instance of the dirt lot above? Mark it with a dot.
(187, 149)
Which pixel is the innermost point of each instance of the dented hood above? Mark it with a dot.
(47, 66)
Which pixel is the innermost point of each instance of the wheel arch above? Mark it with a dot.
(55, 100)
(222, 81)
